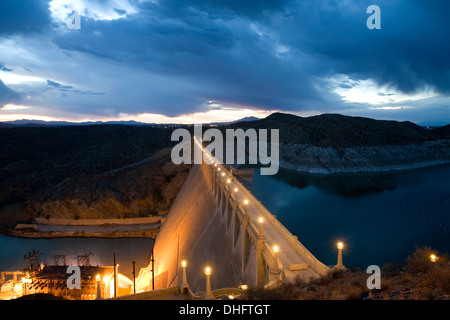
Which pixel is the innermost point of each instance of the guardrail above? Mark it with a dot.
(301, 250)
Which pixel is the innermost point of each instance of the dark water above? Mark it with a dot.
(13, 249)
(380, 217)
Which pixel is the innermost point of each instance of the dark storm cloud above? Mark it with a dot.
(227, 60)
(7, 95)
(24, 16)
(250, 8)
(172, 56)
(120, 11)
(57, 85)
(409, 52)
(4, 68)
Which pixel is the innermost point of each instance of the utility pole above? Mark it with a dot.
(115, 275)
(134, 279)
(153, 272)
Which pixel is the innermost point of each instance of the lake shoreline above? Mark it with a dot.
(33, 234)
(356, 170)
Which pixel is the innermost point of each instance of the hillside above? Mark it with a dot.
(107, 171)
(332, 143)
(338, 131)
(114, 171)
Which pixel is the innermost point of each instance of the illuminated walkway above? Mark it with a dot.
(280, 249)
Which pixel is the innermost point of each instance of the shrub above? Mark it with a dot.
(441, 276)
(419, 261)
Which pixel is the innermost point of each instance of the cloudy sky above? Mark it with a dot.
(218, 60)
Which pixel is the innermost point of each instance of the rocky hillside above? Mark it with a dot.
(335, 143)
(104, 171)
(113, 171)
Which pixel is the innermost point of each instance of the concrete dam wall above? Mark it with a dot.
(215, 222)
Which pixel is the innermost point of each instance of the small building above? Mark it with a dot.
(94, 281)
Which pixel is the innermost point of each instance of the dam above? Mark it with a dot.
(216, 222)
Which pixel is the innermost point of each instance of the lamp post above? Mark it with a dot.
(275, 256)
(115, 276)
(209, 295)
(339, 264)
(246, 204)
(260, 220)
(134, 278)
(97, 282)
(184, 285)
(153, 272)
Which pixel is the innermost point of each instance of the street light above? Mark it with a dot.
(184, 284)
(209, 294)
(339, 264)
(433, 258)
(260, 220)
(97, 282)
(275, 256)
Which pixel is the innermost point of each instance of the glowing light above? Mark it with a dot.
(184, 263)
(243, 287)
(261, 220)
(246, 202)
(230, 297)
(97, 277)
(433, 258)
(215, 164)
(223, 174)
(276, 249)
(218, 169)
(235, 189)
(228, 181)
(208, 271)
(340, 245)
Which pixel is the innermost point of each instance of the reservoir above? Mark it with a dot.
(380, 217)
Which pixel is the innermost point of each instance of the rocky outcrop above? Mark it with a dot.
(314, 159)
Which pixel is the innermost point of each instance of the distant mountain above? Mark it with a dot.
(335, 130)
(247, 119)
(333, 143)
(432, 124)
(41, 123)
